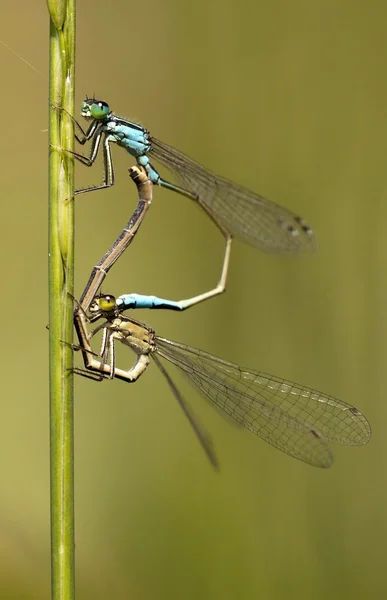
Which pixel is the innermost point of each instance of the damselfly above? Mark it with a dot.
(235, 210)
(242, 213)
(294, 418)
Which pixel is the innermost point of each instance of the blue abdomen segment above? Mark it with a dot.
(127, 301)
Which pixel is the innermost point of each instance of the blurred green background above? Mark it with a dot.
(290, 99)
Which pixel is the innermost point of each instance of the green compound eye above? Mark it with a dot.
(99, 110)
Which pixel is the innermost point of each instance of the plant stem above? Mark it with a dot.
(61, 277)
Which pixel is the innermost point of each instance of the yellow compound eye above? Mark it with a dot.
(106, 302)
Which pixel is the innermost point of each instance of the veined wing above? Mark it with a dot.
(294, 418)
(248, 216)
(201, 434)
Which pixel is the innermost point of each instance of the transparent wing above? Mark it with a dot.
(246, 215)
(294, 418)
(201, 434)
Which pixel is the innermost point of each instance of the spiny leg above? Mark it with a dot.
(108, 169)
(95, 132)
(86, 135)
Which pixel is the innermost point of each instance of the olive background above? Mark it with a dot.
(290, 100)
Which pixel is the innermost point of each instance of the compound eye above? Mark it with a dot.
(106, 302)
(99, 109)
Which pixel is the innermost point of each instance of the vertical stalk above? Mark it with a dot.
(61, 272)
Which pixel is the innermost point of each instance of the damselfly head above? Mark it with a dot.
(94, 109)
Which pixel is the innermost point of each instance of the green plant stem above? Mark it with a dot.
(61, 276)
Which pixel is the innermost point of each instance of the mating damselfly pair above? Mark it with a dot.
(294, 418)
